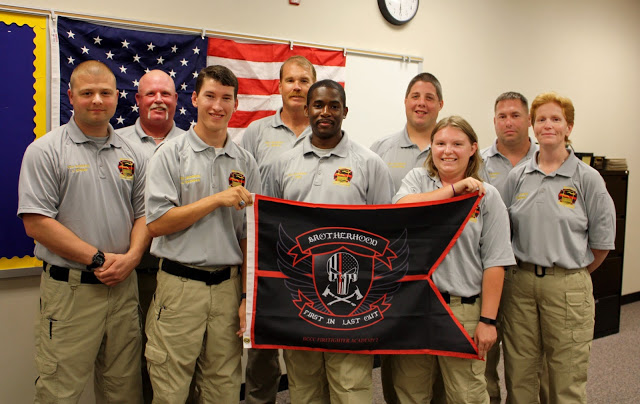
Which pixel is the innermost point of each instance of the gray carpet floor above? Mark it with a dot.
(614, 370)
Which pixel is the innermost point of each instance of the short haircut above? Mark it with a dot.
(427, 78)
(475, 162)
(221, 74)
(302, 62)
(328, 84)
(512, 95)
(565, 104)
(93, 68)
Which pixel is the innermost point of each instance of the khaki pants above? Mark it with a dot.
(549, 317)
(464, 381)
(83, 327)
(329, 377)
(262, 376)
(191, 328)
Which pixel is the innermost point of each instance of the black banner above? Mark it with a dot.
(350, 278)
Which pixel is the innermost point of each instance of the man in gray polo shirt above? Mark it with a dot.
(157, 99)
(326, 167)
(81, 197)
(198, 185)
(408, 148)
(512, 147)
(266, 139)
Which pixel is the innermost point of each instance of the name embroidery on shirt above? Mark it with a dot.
(494, 175)
(78, 168)
(522, 195)
(343, 176)
(190, 179)
(397, 165)
(273, 143)
(127, 169)
(567, 197)
(236, 179)
(296, 176)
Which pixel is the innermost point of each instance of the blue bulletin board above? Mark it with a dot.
(22, 119)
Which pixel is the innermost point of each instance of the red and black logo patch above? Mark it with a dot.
(342, 176)
(236, 179)
(567, 197)
(475, 214)
(126, 168)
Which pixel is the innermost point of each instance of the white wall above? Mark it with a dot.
(585, 49)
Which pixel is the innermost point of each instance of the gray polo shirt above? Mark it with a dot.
(558, 218)
(400, 154)
(267, 138)
(185, 170)
(95, 191)
(349, 174)
(496, 166)
(484, 242)
(137, 137)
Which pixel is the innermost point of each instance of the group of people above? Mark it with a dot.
(142, 231)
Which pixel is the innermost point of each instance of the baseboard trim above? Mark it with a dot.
(630, 298)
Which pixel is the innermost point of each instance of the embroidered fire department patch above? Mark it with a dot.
(342, 176)
(236, 179)
(127, 169)
(567, 197)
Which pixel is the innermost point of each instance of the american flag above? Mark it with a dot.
(257, 67)
(130, 54)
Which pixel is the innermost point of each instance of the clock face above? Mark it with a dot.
(398, 12)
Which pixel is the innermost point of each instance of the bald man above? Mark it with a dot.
(81, 197)
(157, 100)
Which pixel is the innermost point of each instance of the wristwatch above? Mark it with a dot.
(97, 261)
(488, 320)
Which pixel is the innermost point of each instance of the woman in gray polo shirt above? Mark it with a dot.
(471, 275)
(563, 227)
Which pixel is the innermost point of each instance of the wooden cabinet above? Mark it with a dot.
(607, 280)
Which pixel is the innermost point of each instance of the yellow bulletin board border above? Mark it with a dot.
(39, 26)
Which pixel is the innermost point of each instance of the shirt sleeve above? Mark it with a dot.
(162, 183)
(249, 140)
(495, 238)
(411, 184)
(601, 214)
(381, 187)
(38, 190)
(139, 182)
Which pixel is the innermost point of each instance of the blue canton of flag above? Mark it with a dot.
(130, 54)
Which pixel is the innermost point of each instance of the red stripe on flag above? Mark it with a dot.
(227, 48)
(242, 119)
(258, 87)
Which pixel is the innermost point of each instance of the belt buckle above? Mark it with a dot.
(542, 272)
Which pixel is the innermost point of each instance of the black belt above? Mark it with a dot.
(463, 300)
(62, 274)
(150, 271)
(208, 277)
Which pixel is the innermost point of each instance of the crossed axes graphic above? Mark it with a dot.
(337, 298)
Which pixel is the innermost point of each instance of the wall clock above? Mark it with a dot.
(398, 12)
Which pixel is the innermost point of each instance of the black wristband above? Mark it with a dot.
(488, 320)
(243, 296)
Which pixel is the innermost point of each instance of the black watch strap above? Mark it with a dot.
(97, 261)
(488, 320)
